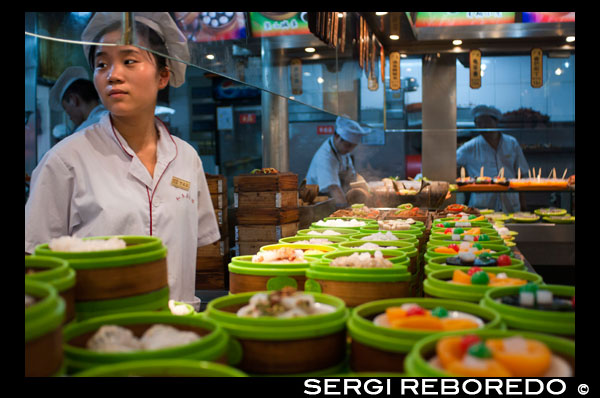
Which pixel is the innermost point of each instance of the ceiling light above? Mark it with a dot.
(403, 55)
(381, 13)
(340, 15)
(310, 49)
(320, 80)
(210, 56)
(558, 72)
(570, 39)
(394, 37)
(457, 42)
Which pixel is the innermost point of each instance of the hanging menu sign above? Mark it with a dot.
(475, 69)
(296, 76)
(395, 71)
(537, 68)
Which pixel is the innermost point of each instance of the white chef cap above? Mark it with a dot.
(482, 110)
(350, 130)
(161, 23)
(71, 74)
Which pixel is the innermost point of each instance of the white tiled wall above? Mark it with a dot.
(506, 85)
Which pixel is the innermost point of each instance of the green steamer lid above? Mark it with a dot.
(447, 239)
(302, 246)
(362, 328)
(474, 224)
(244, 265)
(212, 345)
(439, 263)
(431, 253)
(53, 270)
(416, 362)
(223, 311)
(401, 237)
(407, 247)
(135, 245)
(163, 368)
(336, 240)
(47, 314)
(344, 232)
(438, 284)
(553, 322)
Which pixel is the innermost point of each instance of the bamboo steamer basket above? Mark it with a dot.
(430, 253)
(438, 284)
(163, 368)
(335, 239)
(417, 365)
(356, 286)
(246, 276)
(377, 348)
(417, 232)
(43, 331)
(302, 246)
(343, 232)
(273, 346)
(439, 263)
(406, 247)
(123, 280)
(211, 347)
(57, 273)
(557, 323)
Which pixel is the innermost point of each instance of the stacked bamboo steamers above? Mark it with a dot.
(305, 307)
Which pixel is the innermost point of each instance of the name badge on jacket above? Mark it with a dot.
(179, 183)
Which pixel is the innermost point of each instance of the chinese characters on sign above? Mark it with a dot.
(324, 130)
(296, 76)
(537, 67)
(475, 69)
(395, 71)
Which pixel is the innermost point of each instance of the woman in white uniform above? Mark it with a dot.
(126, 174)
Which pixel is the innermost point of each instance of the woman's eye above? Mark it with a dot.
(130, 61)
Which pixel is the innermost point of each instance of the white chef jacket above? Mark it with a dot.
(328, 167)
(93, 117)
(476, 153)
(93, 184)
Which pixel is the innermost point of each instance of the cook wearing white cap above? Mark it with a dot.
(494, 151)
(126, 174)
(74, 93)
(332, 166)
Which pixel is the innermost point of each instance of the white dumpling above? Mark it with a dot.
(163, 336)
(112, 338)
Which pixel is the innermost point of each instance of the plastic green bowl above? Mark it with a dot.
(406, 247)
(296, 345)
(335, 239)
(57, 273)
(416, 361)
(438, 284)
(303, 247)
(431, 253)
(280, 275)
(387, 347)
(211, 347)
(474, 224)
(553, 322)
(437, 231)
(43, 318)
(447, 239)
(394, 256)
(324, 271)
(135, 245)
(439, 263)
(401, 237)
(413, 230)
(163, 368)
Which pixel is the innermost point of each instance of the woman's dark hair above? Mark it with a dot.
(153, 39)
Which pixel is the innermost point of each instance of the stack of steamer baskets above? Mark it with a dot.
(125, 289)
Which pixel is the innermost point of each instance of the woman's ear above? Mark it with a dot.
(164, 76)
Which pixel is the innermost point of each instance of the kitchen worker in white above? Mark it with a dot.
(332, 166)
(493, 150)
(74, 93)
(126, 174)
